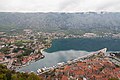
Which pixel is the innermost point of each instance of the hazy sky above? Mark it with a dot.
(59, 5)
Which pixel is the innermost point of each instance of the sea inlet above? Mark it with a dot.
(63, 50)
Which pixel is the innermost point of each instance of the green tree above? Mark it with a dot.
(32, 76)
(3, 77)
(5, 50)
(19, 43)
(14, 77)
(8, 75)
(113, 79)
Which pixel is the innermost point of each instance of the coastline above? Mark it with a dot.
(61, 64)
(30, 62)
(46, 48)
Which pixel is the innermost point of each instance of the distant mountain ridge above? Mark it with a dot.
(77, 22)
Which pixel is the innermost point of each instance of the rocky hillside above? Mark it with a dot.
(70, 22)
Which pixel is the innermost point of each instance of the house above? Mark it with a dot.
(2, 57)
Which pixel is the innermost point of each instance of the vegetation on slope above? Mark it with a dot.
(6, 74)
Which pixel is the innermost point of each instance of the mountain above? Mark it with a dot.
(67, 22)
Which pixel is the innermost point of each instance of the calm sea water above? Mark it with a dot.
(63, 50)
(84, 44)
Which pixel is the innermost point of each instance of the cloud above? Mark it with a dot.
(68, 3)
(90, 5)
(59, 5)
(111, 4)
(28, 5)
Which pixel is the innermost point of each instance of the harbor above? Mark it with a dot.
(61, 64)
(58, 53)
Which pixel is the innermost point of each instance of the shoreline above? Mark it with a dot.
(61, 64)
(30, 62)
(49, 47)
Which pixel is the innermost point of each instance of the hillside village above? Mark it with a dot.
(97, 66)
(19, 50)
